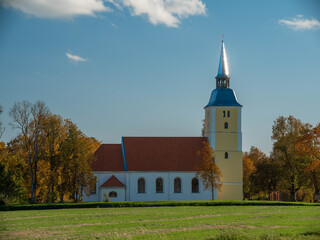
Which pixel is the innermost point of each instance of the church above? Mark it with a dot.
(163, 168)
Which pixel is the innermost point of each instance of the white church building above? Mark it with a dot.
(164, 168)
(148, 169)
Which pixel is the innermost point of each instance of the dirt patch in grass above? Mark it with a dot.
(32, 234)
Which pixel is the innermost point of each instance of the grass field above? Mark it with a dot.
(182, 222)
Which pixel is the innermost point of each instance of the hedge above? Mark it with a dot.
(43, 206)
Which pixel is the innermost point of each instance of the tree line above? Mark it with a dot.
(293, 166)
(49, 160)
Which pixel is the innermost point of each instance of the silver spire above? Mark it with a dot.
(223, 70)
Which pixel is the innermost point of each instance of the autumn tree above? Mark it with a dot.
(267, 176)
(248, 169)
(11, 175)
(309, 148)
(208, 170)
(77, 155)
(29, 119)
(286, 133)
(55, 134)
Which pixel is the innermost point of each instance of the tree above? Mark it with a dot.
(267, 176)
(55, 133)
(1, 127)
(208, 171)
(11, 177)
(29, 119)
(78, 155)
(203, 129)
(248, 169)
(286, 133)
(309, 147)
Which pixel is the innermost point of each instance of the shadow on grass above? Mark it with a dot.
(314, 233)
(237, 235)
(228, 235)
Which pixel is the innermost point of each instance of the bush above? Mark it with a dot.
(148, 204)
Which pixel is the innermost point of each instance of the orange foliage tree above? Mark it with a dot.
(309, 147)
(78, 155)
(208, 170)
(248, 169)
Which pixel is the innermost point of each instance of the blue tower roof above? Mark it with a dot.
(223, 97)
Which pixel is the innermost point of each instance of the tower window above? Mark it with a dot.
(226, 155)
(195, 185)
(141, 185)
(224, 113)
(228, 113)
(226, 125)
(159, 185)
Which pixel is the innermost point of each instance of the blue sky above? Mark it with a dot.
(146, 68)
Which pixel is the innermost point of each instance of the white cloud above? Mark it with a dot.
(57, 8)
(75, 58)
(300, 23)
(167, 12)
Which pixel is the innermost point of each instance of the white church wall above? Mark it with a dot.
(168, 187)
(130, 179)
(150, 186)
(186, 187)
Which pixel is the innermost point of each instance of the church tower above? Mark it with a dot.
(223, 130)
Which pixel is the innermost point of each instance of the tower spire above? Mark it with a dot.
(222, 78)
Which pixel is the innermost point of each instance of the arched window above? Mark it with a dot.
(226, 155)
(228, 113)
(113, 194)
(159, 185)
(195, 185)
(177, 185)
(141, 185)
(93, 190)
(226, 125)
(224, 113)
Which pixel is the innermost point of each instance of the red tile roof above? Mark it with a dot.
(108, 158)
(162, 153)
(113, 182)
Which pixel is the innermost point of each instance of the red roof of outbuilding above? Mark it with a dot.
(108, 158)
(163, 153)
(113, 182)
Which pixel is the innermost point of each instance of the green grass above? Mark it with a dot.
(180, 222)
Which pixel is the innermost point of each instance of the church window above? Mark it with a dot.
(228, 113)
(195, 185)
(141, 185)
(177, 185)
(226, 125)
(226, 155)
(224, 113)
(113, 194)
(93, 190)
(159, 185)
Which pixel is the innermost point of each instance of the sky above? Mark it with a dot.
(147, 67)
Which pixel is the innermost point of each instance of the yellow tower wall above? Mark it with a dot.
(226, 140)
